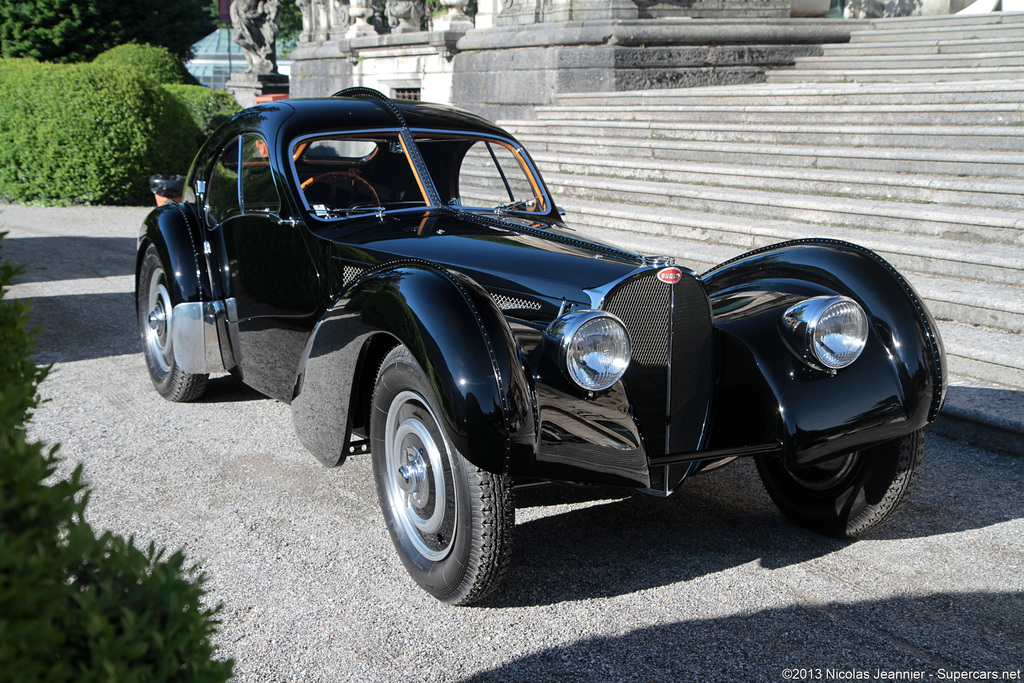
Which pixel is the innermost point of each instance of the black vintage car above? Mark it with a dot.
(399, 274)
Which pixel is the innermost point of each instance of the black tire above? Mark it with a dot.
(451, 522)
(156, 320)
(849, 496)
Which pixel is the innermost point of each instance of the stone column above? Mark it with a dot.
(306, 10)
(322, 22)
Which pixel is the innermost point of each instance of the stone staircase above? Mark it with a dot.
(920, 49)
(929, 174)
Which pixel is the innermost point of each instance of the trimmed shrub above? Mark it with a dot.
(155, 63)
(75, 606)
(208, 108)
(88, 133)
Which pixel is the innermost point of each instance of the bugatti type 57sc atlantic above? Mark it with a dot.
(400, 275)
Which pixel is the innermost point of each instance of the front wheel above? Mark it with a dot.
(847, 496)
(451, 522)
(156, 325)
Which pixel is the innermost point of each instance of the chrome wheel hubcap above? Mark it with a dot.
(420, 488)
(157, 332)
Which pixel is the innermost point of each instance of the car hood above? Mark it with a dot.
(539, 259)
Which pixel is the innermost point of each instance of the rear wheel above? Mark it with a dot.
(451, 522)
(156, 325)
(847, 496)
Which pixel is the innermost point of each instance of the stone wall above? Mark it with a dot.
(506, 72)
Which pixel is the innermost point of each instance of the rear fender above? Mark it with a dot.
(177, 235)
(458, 336)
(895, 387)
(200, 338)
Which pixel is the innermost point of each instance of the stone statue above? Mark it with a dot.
(255, 23)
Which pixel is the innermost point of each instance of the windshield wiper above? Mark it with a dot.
(519, 204)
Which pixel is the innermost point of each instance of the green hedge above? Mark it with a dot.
(156, 63)
(208, 108)
(75, 606)
(88, 133)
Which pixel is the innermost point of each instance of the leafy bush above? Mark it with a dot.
(88, 133)
(157, 63)
(208, 108)
(74, 606)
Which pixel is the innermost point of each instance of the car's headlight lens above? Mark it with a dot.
(593, 348)
(832, 329)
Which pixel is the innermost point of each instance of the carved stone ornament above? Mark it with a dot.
(360, 11)
(404, 16)
(455, 19)
(255, 24)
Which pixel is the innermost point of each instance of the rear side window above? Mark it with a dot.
(222, 200)
(258, 191)
(242, 180)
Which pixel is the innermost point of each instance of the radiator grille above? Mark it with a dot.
(669, 378)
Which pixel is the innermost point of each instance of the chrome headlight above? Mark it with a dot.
(593, 348)
(828, 330)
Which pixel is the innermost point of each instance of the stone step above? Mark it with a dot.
(996, 193)
(922, 22)
(974, 60)
(944, 34)
(810, 93)
(952, 74)
(899, 60)
(925, 47)
(1002, 165)
(966, 301)
(1007, 138)
(997, 114)
(970, 224)
(1002, 266)
(984, 353)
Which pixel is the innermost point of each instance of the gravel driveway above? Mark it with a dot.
(711, 584)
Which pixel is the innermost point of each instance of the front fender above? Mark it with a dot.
(458, 336)
(766, 394)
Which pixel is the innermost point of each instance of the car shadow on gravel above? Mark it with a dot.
(949, 632)
(49, 259)
(227, 389)
(632, 542)
(78, 327)
(578, 544)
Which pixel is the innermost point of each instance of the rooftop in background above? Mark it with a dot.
(217, 56)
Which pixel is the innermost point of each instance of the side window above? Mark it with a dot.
(259, 193)
(222, 199)
(492, 175)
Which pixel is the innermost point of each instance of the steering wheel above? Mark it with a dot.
(354, 177)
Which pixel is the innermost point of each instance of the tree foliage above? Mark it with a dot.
(77, 30)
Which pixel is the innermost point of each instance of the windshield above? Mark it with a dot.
(352, 173)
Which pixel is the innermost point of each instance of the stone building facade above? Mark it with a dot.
(512, 55)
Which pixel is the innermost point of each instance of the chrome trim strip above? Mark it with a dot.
(668, 372)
